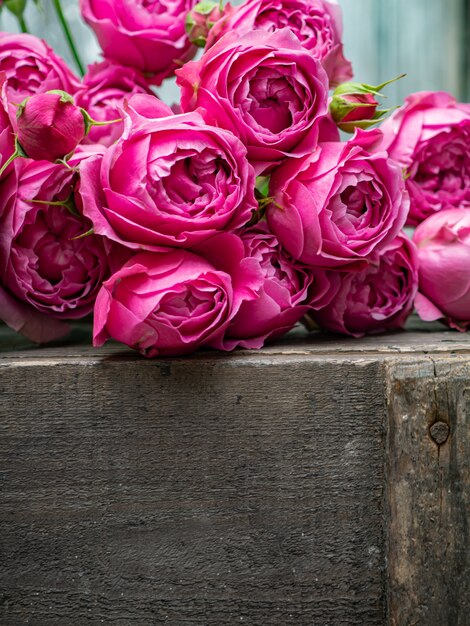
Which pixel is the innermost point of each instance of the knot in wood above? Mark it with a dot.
(439, 432)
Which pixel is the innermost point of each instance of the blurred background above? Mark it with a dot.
(429, 40)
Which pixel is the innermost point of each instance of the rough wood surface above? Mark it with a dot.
(428, 485)
(215, 491)
(294, 485)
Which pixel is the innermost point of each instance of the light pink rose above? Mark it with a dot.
(31, 67)
(46, 265)
(377, 298)
(429, 137)
(265, 88)
(149, 36)
(340, 204)
(443, 242)
(105, 86)
(317, 24)
(172, 302)
(49, 126)
(173, 181)
(288, 291)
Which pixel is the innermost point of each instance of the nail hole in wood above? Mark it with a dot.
(439, 432)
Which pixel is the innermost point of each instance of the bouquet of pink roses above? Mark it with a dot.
(226, 219)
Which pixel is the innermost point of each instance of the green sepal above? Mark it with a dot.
(64, 96)
(83, 235)
(340, 108)
(205, 7)
(350, 127)
(262, 186)
(353, 88)
(16, 7)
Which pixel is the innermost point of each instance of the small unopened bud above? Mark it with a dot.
(200, 20)
(355, 105)
(50, 126)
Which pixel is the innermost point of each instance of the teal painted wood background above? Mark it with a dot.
(427, 39)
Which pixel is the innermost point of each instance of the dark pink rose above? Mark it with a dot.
(443, 242)
(105, 86)
(26, 320)
(45, 261)
(429, 137)
(377, 298)
(288, 291)
(173, 181)
(317, 24)
(32, 67)
(172, 302)
(340, 204)
(265, 88)
(49, 126)
(149, 36)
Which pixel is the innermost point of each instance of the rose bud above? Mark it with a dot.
(380, 297)
(200, 20)
(443, 242)
(50, 126)
(354, 105)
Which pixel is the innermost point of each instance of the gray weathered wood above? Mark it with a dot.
(428, 486)
(294, 485)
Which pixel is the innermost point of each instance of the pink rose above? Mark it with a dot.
(340, 204)
(45, 261)
(443, 242)
(429, 137)
(288, 291)
(172, 302)
(173, 181)
(105, 87)
(49, 126)
(31, 67)
(264, 87)
(149, 36)
(317, 24)
(377, 298)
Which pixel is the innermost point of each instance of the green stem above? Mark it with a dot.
(15, 155)
(22, 23)
(68, 35)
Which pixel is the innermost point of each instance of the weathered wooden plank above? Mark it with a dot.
(428, 492)
(418, 339)
(193, 491)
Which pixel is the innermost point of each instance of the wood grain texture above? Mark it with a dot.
(428, 491)
(208, 490)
